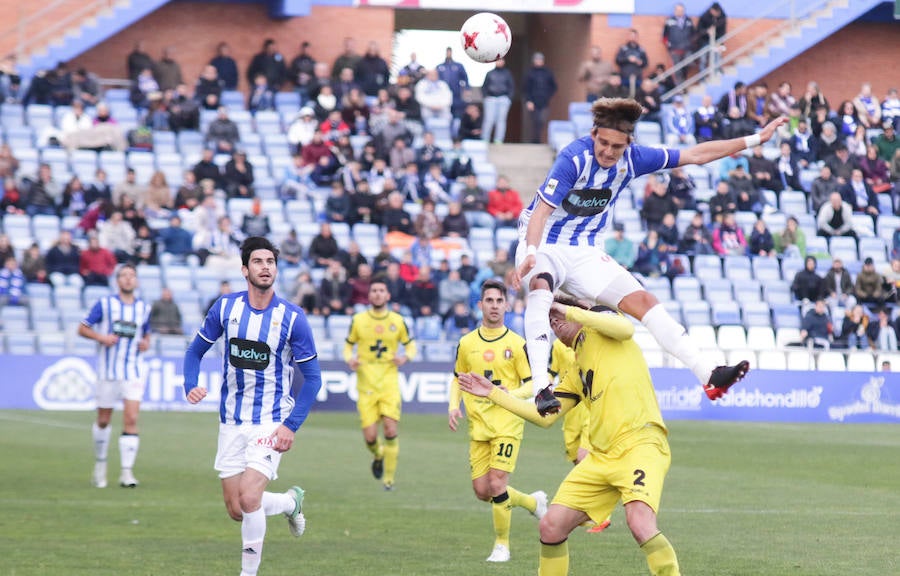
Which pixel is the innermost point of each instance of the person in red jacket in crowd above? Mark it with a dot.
(504, 203)
(97, 263)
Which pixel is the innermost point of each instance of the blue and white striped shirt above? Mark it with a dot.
(130, 322)
(261, 349)
(583, 193)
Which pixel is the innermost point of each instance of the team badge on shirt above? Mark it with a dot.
(507, 354)
(488, 355)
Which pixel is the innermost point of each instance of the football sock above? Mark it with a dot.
(391, 451)
(101, 441)
(537, 336)
(554, 559)
(661, 556)
(280, 503)
(253, 532)
(521, 499)
(501, 508)
(675, 340)
(376, 448)
(128, 449)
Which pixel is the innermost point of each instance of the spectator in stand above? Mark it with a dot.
(807, 285)
(145, 247)
(324, 247)
(455, 224)
(9, 165)
(804, 145)
(868, 108)
(220, 247)
(300, 132)
(165, 316)
(816, 329)
(44, 194)
(474, 202)
(423, 294)
(885, 143)
(859, 195)
(457, 163)
(401, 155)
(822, 188)
(337, 205)
(167, 71)
(749, 198)
(333, 127)
(594, 74)
(138, 60)
(359, 288)
(409, 108)
(290, 250)
(206, 168)
(728, 237)
(838, 286)
(143, 87)
(184, 111)
(620, 248)
(415, 71)
(85, 88)
(157, 199)
(724, 200)
(614, 87)
(829, 141)
(347, 59)
(869, 285)
(734, 98)
(735, 125)
(706, 120)
(856, 142)
(96, 264)
(498, 91)
(881, 334)
(538, 89)
(679, 125)
(398, 288)
(395, 128)
(791, 242)
(504, 203)
(189, 194)
(712, 26)
(209, 87)
(632, 60)
(255, 223)
(436, 184)
(74, 198)
(454, 75)
(75, 120)
(371, 71)
(395, 218)
(847, 119)
(34, 266)
(668, 230)
(853, 328)
(681, 188)
(429, 153)
(876, 172)
(12, 201)
(238, 178)
(781, 101)
(118, 236)
(334, 291)
(470, 127)
(427, 223)
(787, 171)
(696, 238)
(762, 170)
(812, 100)
(222, 134)
(678, 36)
(261, 95)
(652, 256)
(6, 249)
(890, 109)
(835, 218)
(303, 293)
(13, 288)
(648, 96)
(270, 63)
(351, 259)
(410, 183)
(842, 164)
(451, 290)
(177, 243)
(758, 97)
(302, 72)
(355, 112)
(226, 67)
(435, 97)
(761, 241)
(657, 201)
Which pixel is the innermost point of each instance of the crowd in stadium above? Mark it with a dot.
(354, 175)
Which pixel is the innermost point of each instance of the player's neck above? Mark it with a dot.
(378, 310)
(259, 299)
(491, 328)
(126, 297)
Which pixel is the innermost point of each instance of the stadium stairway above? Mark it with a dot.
(816, 21)
(526, 165)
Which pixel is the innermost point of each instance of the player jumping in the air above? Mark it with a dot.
(559, 229)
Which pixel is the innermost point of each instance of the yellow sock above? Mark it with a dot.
(554, 559)
(517, 498)
(376, 448)
(390, 452)
(661, 556)
(501, 508)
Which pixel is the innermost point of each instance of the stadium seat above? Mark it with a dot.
(740, 354)
(731, 337)
(443, 353)
(863, 225)
(429, 328)
(20, 344)
(831, 361)
(756, 314)
(51, 343)
(760, 338)
(859, 361)
(800, 360)
(695, 312)
(894, 359)
(725, 312)
(14, 319)
(873, 247)
(771, 360)
(704, 336)
(787, 336)
(172, 346)
(339, 326)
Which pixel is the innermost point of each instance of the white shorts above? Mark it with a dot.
(109, 392)
(247, 446)
(585, 272)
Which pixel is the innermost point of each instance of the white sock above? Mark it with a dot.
(275, 504)
(675, 340)
(253, 532)
(128, 449)
(101, 441)
(537, 336)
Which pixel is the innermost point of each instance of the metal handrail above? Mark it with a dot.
(26, 41)
(756, 42)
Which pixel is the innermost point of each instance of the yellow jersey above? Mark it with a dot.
(499, 355)
(377, 339)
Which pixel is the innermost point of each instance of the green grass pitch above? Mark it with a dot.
(740, 499)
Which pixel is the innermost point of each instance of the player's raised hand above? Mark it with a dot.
(453, 418)
(523, 270)
(196, 394)
(769, 130)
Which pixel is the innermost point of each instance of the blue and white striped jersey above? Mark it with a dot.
(583, 193)
(130, 322)
(261, 349)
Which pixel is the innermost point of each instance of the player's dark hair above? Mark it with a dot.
(619, 114)
(492, 284)
(123, 267)
(380, 279)
(256, 243)
(568, 300)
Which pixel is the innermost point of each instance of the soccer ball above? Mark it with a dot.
(485, 37)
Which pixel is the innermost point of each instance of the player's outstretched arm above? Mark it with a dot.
(192, 357)
(480, 386)
(715, 149)
(609, 324)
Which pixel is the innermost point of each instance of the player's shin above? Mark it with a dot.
(391, 453)
(661, 557)
(675, 340)
(501, 508)
(554, 559)
(253, 532)
(537, 336)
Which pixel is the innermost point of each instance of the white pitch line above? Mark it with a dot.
(42, 421)
(778, 512)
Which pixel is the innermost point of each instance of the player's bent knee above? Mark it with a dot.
(638, 303)
(542, 281)
(550, 530)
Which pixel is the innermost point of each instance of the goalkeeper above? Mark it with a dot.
(629, 451)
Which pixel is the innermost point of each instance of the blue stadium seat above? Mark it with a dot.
(20, 344)
(873, 247)
(695, 312)
(339, 326)
(725, 312)
(444, 353)
(756, 314)
(287, 99)
(51, 343)
(429, 328)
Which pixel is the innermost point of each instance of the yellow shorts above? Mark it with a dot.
(372, 405)
(498, 453)
(598, 482)
(576, 427)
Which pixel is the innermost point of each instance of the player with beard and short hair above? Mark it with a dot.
(559, 231)
(259, 412)
(377, 334)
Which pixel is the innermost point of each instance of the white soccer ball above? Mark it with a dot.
(485, 37)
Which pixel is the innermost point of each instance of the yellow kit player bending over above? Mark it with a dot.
(377, 334)
(629, 455)
(497, 353)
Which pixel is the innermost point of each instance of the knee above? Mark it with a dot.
(542, 281)
(249, 502)
(234, 511)
(550, 530)
(482, 494)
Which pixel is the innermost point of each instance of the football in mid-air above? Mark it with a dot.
(485, 37)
